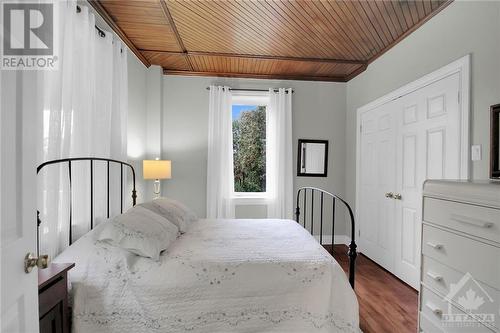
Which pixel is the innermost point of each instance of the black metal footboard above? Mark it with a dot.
(309, 194)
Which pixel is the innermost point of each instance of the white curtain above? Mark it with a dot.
(220, 178)
(84, 114)
(279, 160)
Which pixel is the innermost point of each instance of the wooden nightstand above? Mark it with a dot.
(53, 298)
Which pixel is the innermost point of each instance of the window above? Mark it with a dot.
(249, 144)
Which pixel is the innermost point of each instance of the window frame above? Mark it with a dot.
(260, 99)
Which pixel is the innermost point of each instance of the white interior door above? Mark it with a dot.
(18, 130)
(428, 147)
(402, 142)
(378, 162)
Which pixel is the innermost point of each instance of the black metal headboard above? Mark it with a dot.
(91, 161)
(334, 198)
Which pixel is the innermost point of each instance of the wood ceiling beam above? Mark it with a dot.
(99, 8)
(170, 20)
(356, 72)
(263, 57)
(258, 76)
(266, 57)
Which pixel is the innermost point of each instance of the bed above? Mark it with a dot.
(221, 275)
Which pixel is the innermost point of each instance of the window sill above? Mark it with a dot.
(250, 198)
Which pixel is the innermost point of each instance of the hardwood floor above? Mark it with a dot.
(386, 304)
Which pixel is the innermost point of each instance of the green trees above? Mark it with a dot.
(249, 151)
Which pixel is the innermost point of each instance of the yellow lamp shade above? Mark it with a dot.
(156, 169)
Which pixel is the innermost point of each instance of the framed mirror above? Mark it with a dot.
(312, 158)
(495, 142)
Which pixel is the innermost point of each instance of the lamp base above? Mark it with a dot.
(156, 188)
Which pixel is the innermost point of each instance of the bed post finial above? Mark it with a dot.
(352, 261)
(134, 197)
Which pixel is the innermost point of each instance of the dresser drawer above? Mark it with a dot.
(51, 295)
(436, 310)
(463, 254)
(427, 326)
(440, 278)
(474, 220)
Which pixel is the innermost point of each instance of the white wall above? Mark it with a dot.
(137, 133)
(318, 113)
(144, 119)
(463, 27)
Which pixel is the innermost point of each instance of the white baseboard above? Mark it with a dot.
(338, 239)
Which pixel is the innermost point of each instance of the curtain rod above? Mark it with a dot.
(99, 30)
(234, 89)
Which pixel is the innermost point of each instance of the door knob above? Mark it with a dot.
(31, 261)
(389, 195)
(398, 196)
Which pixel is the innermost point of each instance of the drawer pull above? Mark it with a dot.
(434, 276)
(437, 311)
(471, 221)
(435, 246)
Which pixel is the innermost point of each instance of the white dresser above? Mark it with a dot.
(460, 268)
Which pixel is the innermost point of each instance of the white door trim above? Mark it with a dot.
(461, 66)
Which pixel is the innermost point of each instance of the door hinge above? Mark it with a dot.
(458, 95)
(360, 128)
(359, 232)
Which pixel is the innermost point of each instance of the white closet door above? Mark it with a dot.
(428, 147)
(378, 161)
(402, 143)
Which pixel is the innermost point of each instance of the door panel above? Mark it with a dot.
(435, 153)
(409, 153)
(427, 148)
(377, 178)
(18, 129)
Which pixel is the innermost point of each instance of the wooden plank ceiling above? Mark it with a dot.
(303, 39)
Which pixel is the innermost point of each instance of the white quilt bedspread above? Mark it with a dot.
(221, 276)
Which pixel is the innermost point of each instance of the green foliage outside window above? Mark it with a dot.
(249, 150)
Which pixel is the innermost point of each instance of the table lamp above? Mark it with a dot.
(156, 169)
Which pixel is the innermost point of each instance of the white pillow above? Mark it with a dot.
(140, 231)
(172, 210)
